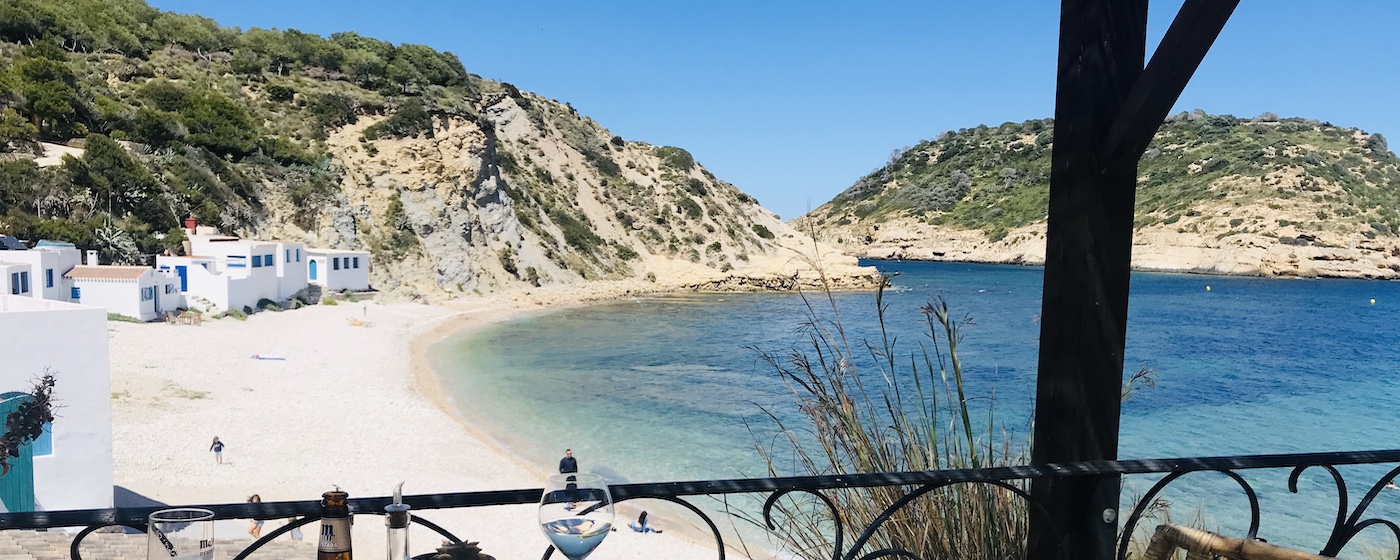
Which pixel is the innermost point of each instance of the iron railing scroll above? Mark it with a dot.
(1347, 525)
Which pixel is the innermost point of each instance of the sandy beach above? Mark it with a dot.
(340, 405)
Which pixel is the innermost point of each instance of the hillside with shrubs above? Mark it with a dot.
(1215, 193)
(455, 182)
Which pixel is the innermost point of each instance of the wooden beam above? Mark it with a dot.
(1173, 63)
(1088, 250)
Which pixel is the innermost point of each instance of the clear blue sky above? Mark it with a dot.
(794, 101)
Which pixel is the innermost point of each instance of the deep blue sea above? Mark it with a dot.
(668, 388)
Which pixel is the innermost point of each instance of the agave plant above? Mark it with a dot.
(115, 245)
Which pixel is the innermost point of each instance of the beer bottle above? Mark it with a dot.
(335, 527)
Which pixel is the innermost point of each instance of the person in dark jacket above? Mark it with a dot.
(218, 448)
(568, 464)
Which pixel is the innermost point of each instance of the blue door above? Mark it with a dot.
(17, 487)
(313, 269)
(183, 273)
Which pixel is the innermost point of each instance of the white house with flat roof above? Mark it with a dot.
(337, 270)
(70, 465)
(230, 273)
(40, 272)
(134, 291)
(16, 279)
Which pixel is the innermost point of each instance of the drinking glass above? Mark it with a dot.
(180, 534)
(576, 513)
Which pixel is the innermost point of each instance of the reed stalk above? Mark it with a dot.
(894, 412)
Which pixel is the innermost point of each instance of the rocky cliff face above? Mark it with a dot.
(529, 193)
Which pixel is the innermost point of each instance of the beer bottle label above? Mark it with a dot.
(335, 534)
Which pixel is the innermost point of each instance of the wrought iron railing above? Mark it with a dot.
(1348, 523)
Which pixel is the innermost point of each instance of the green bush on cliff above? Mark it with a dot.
(175, 84)
(675, 157)
(577, 234)
(410, 120)
(690, 208)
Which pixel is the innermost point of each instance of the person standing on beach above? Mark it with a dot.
(256, 529)
(218, 448)
(568, 464)
(296, 531)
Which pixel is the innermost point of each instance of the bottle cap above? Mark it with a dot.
(334, 498)
(396, 515)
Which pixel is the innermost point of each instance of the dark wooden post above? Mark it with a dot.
(1107, 107)
(1088, 249)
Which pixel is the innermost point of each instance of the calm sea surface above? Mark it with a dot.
(668, 388)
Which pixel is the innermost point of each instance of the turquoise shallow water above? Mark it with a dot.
(666, 388)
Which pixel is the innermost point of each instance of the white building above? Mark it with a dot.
(16, 279)
(134, 291)
(39, 272)
(70, 466)
(337, 270)
(230, 273)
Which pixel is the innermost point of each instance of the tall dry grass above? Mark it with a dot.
(902, 411)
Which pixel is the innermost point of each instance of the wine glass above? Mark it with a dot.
(576, 513)
(180, 534)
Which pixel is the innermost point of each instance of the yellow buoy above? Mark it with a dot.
(1373, 301)
(1207, 288)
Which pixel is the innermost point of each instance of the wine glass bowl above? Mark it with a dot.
(180, 534)
(576, 513)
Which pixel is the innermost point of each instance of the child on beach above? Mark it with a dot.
(218, 448)
(256, 530)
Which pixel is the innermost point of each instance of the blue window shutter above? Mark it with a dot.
(48, 278)
(77, 293)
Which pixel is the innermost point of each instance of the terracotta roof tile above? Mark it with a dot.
(106, 272)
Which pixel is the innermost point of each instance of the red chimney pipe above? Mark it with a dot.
(190, 224)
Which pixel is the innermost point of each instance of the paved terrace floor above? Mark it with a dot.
(53, 545)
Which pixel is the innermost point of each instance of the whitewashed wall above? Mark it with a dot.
(8, 268)
(42, 260)
(168, 293)
(205, 284)
(346, 278)
(124, 296)
(70, 340)
(291, 273)
(116, 296)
